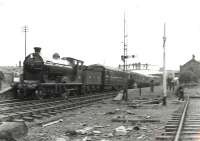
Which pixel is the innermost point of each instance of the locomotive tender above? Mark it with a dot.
(63, 77)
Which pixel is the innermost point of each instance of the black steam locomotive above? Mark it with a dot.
(63, 77)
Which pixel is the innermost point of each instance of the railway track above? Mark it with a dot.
(36, 109)
(8, 104)
(9, 101)
(185, 123)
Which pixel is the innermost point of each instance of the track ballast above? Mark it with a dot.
(36, 109)
(185, 123)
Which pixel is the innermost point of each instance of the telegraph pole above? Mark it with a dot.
(25, 31)
(125, 55)
(164, 71)
(125, 47)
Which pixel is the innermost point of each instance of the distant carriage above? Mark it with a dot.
(141, 80)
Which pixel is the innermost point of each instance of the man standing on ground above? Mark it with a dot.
(173, 84)
(181, 93)
(152, 86)
(125, 92)
(1, 79)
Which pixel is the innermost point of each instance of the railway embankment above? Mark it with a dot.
(6, 93)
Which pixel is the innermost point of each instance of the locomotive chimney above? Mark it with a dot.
(37, 50)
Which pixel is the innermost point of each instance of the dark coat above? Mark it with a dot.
(1, 75)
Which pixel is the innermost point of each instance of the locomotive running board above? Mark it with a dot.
(48, 84)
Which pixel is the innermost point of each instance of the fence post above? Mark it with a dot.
(140, 91)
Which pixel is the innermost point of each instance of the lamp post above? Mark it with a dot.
(164, 71)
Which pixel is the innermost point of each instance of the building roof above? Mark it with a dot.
(192, 60)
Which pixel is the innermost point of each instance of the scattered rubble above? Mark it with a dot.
(121, 131)
(13, 130)
(110, 135)
(71, 133)
(86, 130)
(141, 137)
(130, 112)
(136, 128)
(145, 103)
(96, 132)
(63, 139)
(87, 138)
(110, 121)
(135, 120)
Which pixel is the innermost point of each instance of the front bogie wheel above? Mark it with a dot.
(20, 94)
(39, 94)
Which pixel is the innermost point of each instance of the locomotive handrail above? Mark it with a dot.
(61, 83)
(58, 64)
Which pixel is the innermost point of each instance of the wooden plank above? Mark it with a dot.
(30, 119)
(52, 113)
(45, 114)
(135, 120)
(164, 138)
(118, 97)
(37, 116)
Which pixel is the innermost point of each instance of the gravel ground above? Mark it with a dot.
(98, 118)
(5, 85)
(194, 91)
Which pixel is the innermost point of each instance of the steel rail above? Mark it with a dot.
(81, 101)
(180, 126)
(17, 102)
(38, 103)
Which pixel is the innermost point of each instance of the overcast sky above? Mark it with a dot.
(92, 30)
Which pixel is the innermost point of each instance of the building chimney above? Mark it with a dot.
(37, 50)
(193, 56)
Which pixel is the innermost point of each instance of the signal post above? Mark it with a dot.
(164, 72)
